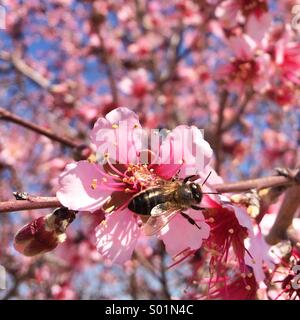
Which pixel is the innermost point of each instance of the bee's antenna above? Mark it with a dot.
(210, 192)
(206, 178)
(188, 178)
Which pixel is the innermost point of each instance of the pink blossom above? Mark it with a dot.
(89, 185)
(248, 67)
(287, 58)
(63, 292)
(254, 14)
(137, 84)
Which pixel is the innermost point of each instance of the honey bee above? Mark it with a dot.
(159, 204)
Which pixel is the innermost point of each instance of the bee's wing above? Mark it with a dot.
(161, 215)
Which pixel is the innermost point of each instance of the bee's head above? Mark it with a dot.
(196, 191)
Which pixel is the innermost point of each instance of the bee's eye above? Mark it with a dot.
(194, 186)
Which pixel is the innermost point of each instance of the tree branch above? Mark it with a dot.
(218, 133)
(109, 71)
(259, 183)
(31, 203)
(23, 68)
(4, 114)
(285, 216)
(241, 186)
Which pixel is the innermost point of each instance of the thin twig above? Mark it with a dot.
(25, 69)
(259, 183)
(218, 133)
(31, 203)
(109, 71)
(4, 114)
(227, 126)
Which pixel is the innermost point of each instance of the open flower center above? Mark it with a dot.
(130, 178)
(245, 70)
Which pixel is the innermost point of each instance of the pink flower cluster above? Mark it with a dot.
(226, 232)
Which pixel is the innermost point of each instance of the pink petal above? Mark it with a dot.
(227, 12)
(118, 134)
(117, 236)
(257, 26)
(75, 190)
(242, 216)
(243, 47)
(186, 145)
(260, 257)
(179, 234)
(166, 171)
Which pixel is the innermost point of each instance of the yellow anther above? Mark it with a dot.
(243, 275)
(250, 275)
(106, 155)
(231, 231)
(136, 126)
(264, 192)
(115, 126)
(94, 184)
(104, 179)
(253, 211)
(236, 198)
(127, 190)
(211, 220)
(92, 158)
(248, 288)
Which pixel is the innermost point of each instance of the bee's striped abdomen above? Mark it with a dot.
(146, 201)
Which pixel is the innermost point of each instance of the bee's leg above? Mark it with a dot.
(190, 220)
(197, 208)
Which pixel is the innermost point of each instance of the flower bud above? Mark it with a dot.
(44, 233)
